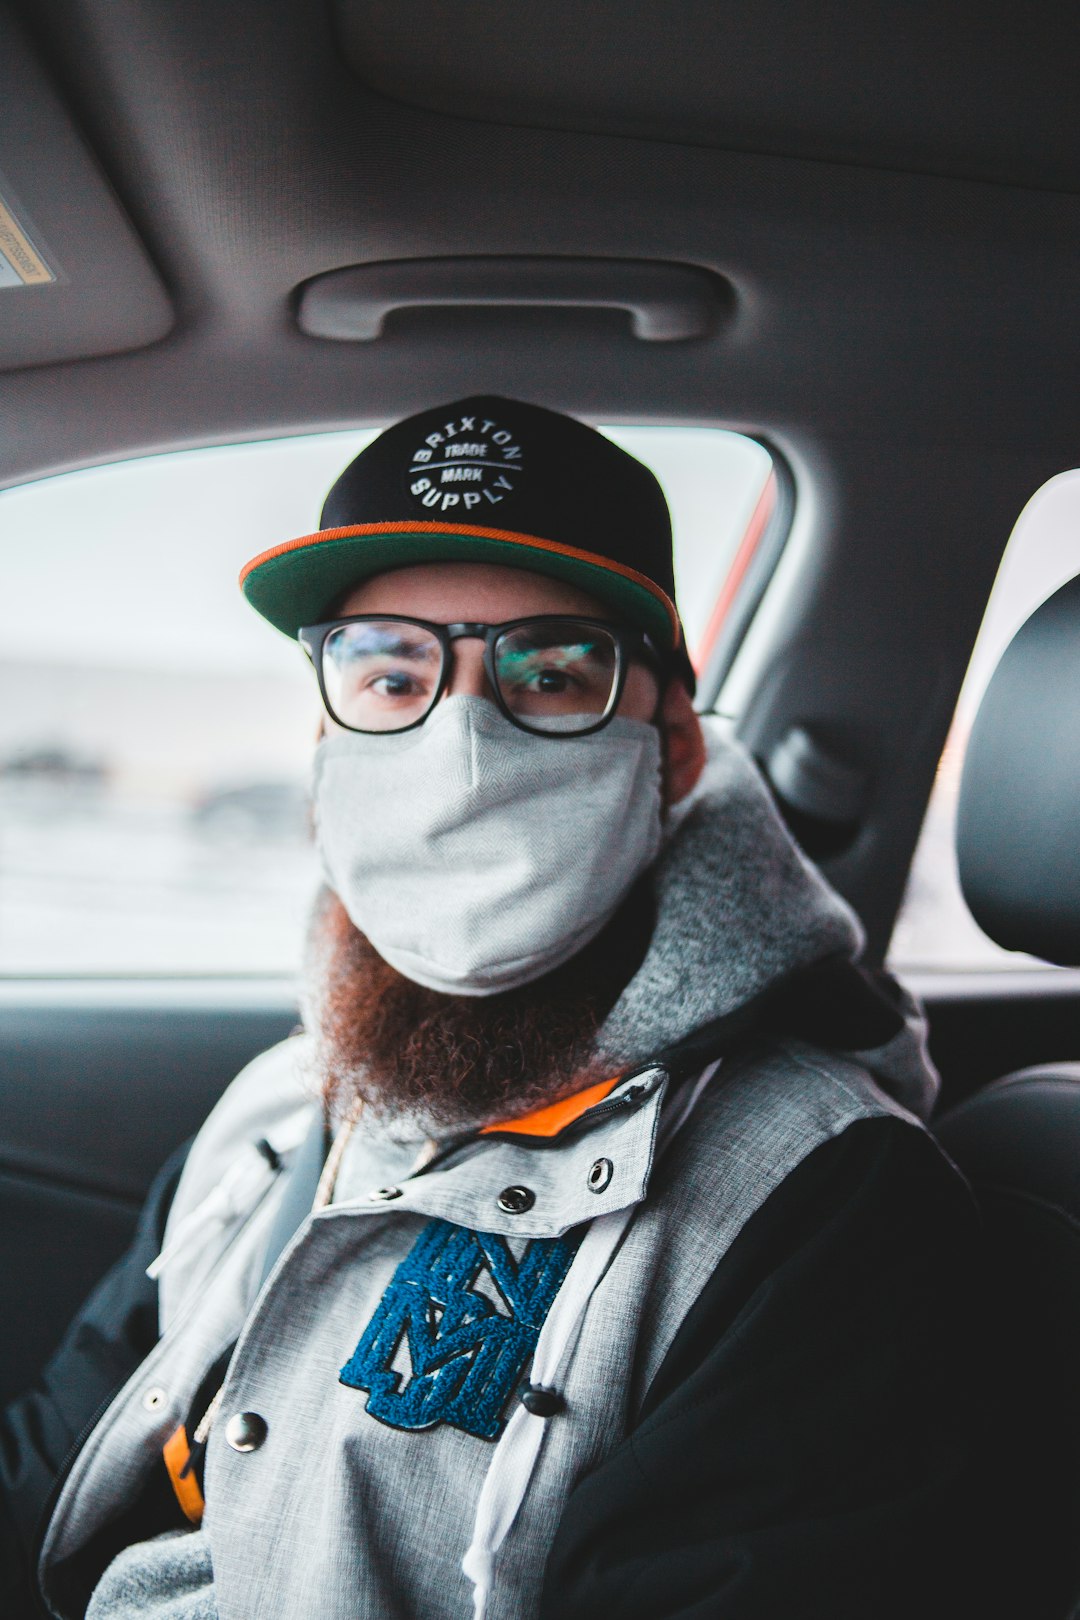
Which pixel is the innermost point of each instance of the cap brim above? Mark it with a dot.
(296, 583)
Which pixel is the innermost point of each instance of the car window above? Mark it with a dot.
(155, 734)
(935, 930)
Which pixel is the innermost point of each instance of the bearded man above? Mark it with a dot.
(585, 1253)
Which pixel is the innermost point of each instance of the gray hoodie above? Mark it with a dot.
(397, 1472)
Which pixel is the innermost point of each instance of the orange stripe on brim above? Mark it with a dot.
(509, 536)
(556, 1116)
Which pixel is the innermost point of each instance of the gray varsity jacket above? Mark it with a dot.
(371, 1454)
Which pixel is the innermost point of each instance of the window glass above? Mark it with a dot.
(155, 733)
(935, 930)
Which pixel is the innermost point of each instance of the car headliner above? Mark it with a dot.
(889, 194)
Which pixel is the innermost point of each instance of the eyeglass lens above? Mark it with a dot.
(556, 677)
(384, 675)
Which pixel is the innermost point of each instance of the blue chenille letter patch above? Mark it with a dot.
(465, 1354)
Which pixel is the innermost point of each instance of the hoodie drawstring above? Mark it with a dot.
(516, 1453)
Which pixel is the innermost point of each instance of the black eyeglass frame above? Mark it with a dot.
(629, 642)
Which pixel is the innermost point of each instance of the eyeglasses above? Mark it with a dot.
(551, 675)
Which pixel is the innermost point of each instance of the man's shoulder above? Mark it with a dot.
(768, 1133)
(821, 1376)
(773, 1104)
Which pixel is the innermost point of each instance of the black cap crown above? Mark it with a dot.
(485, 479)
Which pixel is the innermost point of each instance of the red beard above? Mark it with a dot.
(400, 1048)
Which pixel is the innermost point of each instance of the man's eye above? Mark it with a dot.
(394, 683)
(530, 675)
(551, 681)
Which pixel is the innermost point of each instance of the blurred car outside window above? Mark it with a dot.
(156, 734)
(934, 930)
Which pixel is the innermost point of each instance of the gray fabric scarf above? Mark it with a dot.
(739, 908)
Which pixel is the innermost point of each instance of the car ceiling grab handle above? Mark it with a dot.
(666, 302)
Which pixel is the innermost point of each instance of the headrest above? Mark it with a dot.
(1018, 824)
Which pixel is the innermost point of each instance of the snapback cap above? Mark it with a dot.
(492, 480)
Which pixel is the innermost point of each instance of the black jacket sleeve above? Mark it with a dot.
(814, 1446)
(112, 1334)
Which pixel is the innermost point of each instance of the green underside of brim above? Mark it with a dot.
(303, 586)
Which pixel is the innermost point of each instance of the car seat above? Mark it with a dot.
(1018, 1140)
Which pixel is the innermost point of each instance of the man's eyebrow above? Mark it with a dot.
(364, 644)
(540, 641)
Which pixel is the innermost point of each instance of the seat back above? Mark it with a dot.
(1018, 1140)
(1018, 1143)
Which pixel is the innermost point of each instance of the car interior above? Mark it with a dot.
(851, 234)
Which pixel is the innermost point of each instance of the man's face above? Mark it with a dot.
(485, 593)
(401, 1047)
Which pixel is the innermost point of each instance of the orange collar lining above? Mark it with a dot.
(549, 1121)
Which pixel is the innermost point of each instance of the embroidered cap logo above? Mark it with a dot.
(466, 1354)
(467, 465)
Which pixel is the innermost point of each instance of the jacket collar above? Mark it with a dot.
(593, 1163)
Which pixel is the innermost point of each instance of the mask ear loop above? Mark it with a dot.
(663, 687)
(661, 693)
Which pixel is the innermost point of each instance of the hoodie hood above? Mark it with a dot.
(741, 916)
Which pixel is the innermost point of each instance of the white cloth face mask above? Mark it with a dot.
(477, 857)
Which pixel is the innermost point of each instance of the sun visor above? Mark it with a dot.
(1018, 824)
(75, 280)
